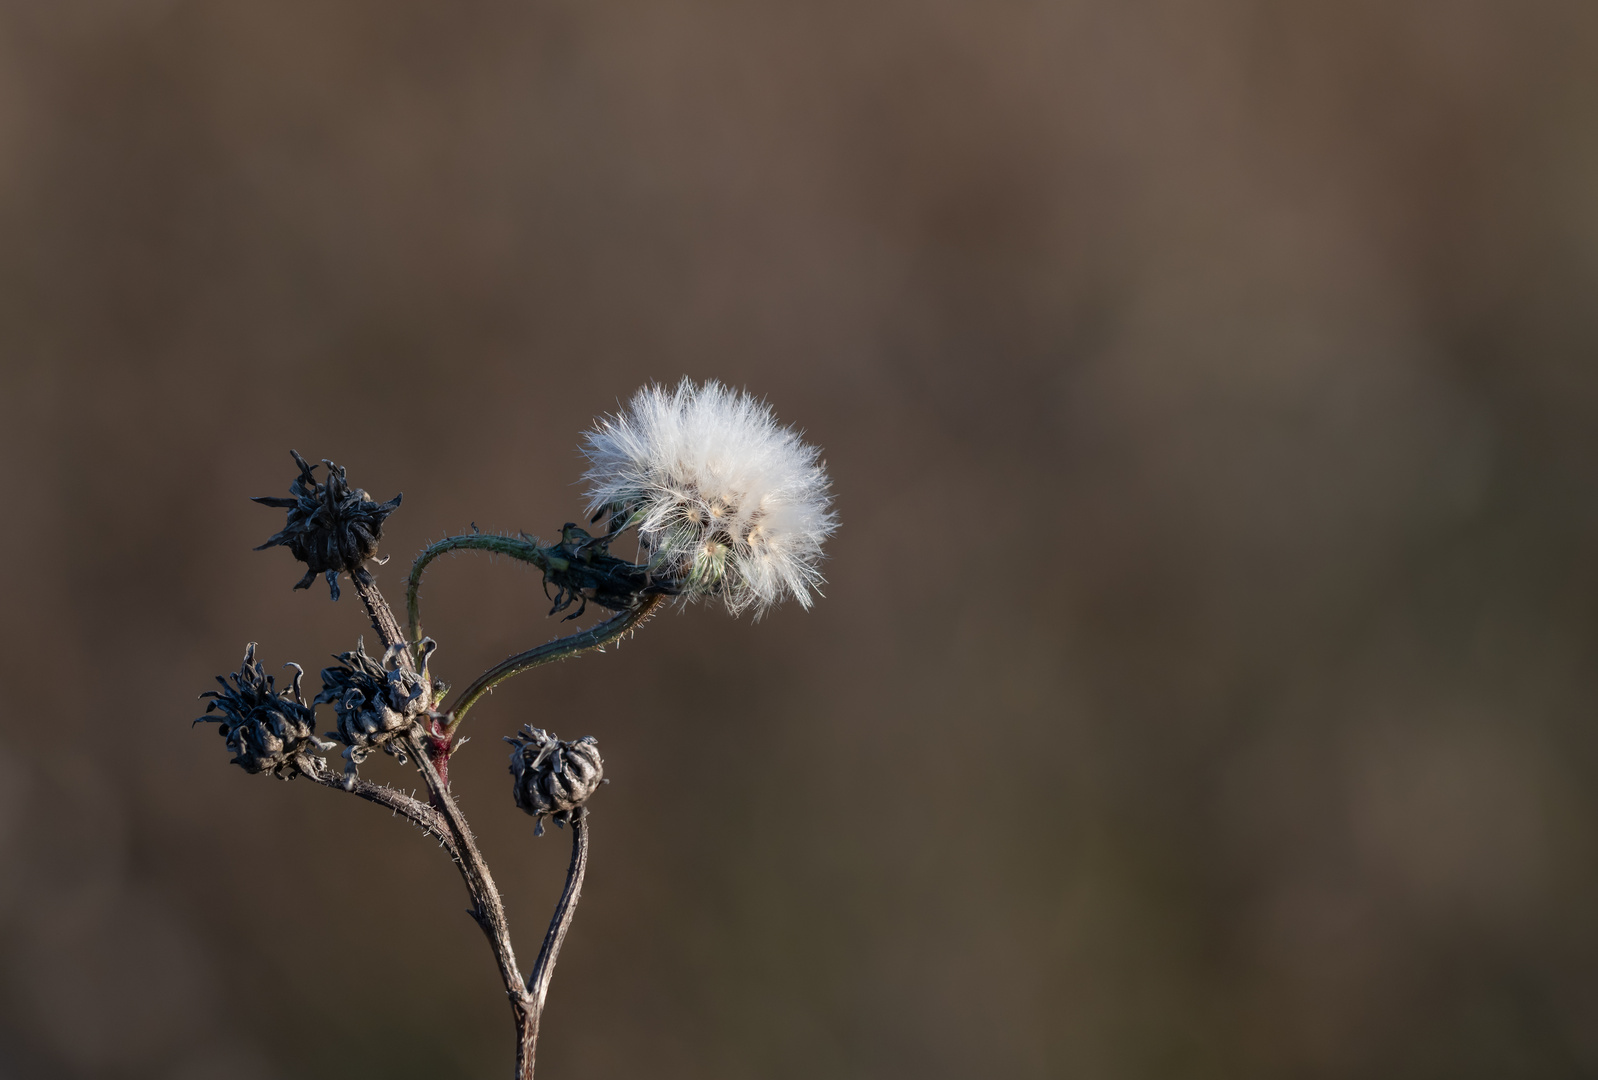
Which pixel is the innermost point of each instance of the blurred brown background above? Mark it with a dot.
(1204, 686)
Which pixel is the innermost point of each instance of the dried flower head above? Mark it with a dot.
(726, 501)
(376, 701)
(267, 731)
(551, 777)
(332, 528)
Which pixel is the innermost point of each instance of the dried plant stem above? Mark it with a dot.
(382, 616)
(594, 637)
(526, 998)
(445, 819)
(544, 969)
(487, 908)
(418, 813)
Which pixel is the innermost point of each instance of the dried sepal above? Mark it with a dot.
(332, 528)
(582, 569)
(268, 732)
(552, 778)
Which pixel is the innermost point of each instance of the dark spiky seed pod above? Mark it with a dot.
(332, 528)
(267, 731)
(376, 701)
(551, 777)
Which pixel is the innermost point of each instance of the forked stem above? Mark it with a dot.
(544, 970)
(418, 813)
(487, 908)
(445, 820)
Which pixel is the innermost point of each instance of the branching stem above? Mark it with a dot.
(445, 820)
(416, 812)
(487, 908)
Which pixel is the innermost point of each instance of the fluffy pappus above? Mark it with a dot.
(726, 501)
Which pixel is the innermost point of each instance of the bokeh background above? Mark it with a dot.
(1205, 682)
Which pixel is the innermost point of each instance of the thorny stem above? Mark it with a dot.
(594, 637)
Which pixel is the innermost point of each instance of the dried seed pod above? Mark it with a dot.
(376, 701)
(332, 528)
(551, 777)
(267, 731)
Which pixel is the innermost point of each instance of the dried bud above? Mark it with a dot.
(375, 702)
(332, 528)
(266, 731)
(552, 777)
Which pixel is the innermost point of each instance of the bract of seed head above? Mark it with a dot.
(268, 732)
(726, 501)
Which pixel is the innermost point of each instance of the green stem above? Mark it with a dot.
(514, 546)
(592, 638)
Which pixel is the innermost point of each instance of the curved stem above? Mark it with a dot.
(544, 970)
(515, 547)
(594, 637)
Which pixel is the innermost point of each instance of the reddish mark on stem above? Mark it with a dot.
(438, 746)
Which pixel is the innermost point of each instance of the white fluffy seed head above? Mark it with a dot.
(725, 499)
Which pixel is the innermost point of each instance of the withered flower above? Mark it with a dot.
(332, 528)
(376, 701)
(552, 777)
(267, 731)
